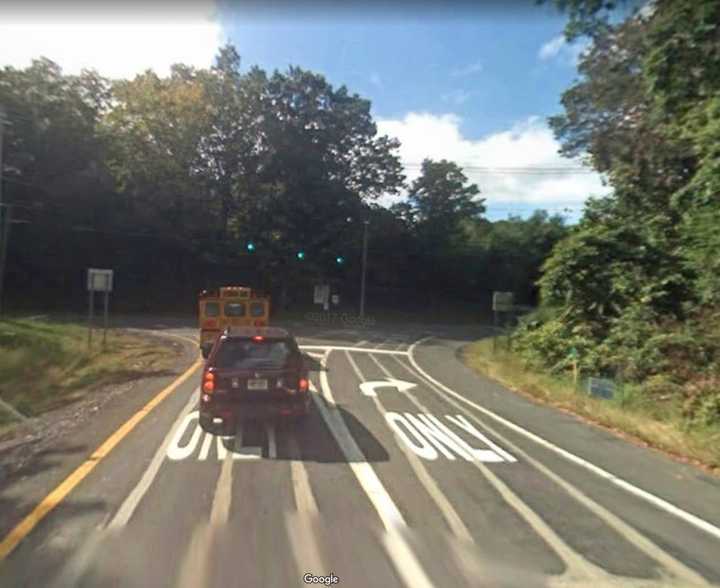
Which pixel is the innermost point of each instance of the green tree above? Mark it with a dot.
(440, 199)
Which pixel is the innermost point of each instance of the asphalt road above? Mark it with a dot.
(412, 471)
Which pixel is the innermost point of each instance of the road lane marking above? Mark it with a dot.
(360, 343)
(461, 422)
(437, 433)
(433, 438)
(194, 568)
(368, 388)
(220, 512)
(643, 544)
(176, 452)
(402, 557)
(205, 448)
(129, 505)
(303, 525)
(302, 491)
(358, 349)
(324, 383)
(447, 510)
(24, 527)
(250, 452)
(616, 480)
(199, 438)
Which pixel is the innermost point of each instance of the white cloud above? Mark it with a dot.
(457, 97)
(528, 144)
(376, 80)
(551, 48)
(116, 44)
(559, 49)
(467, 70)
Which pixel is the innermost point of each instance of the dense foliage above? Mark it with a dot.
(634, 288)
(167, 180)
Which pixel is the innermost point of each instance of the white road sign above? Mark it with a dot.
(322, 294)
(503, 301)
(99, 280)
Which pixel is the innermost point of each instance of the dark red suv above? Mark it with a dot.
(253, 373)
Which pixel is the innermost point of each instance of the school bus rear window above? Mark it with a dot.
(234, 309)
(257, 309)
(212, 309)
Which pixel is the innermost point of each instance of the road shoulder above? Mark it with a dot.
(42, 454)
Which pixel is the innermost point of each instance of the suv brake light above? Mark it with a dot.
(208, 382)
(303, 385)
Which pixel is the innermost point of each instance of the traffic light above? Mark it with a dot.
(339, 260)
(251, 246)
(301, 255)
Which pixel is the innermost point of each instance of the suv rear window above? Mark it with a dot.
(236, 353)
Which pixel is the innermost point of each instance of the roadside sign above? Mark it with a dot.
(503, 301)
(601, 387)
(322, 294)
(99, 280)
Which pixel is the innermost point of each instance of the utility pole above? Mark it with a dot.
(364, 268)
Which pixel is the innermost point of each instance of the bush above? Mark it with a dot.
(702, 403)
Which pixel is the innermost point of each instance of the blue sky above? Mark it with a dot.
(473, 85)
(484, 67)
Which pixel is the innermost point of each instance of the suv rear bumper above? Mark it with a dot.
(232, 412)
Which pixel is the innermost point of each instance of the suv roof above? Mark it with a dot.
(269, 332)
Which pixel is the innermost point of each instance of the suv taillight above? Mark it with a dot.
(303, 385)
(208, 385)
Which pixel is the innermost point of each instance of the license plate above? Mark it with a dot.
(257, 384)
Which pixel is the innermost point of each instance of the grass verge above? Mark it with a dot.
(628, 415)
(45, 365)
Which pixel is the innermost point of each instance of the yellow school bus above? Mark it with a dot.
(229, 306)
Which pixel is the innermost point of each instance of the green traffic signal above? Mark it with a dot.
(339, 260)
(251, 246)
(301, 255)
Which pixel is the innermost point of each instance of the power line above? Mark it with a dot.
(528, 170)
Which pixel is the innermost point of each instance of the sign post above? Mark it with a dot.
(573, 356)
(98, 280)
(91, 304)
(503, 302)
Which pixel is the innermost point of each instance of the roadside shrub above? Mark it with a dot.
(549, 344)
(702, 403)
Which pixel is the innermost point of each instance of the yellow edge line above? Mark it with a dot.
(23, 528)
